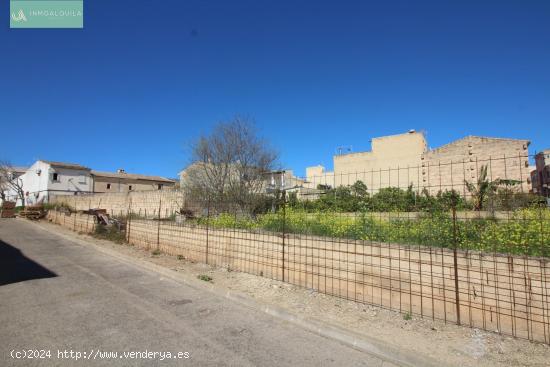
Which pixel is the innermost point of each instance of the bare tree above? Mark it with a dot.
(230, 164)
(11, 182)
(3, 188)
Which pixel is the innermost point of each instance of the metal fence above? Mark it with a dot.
(473, 251)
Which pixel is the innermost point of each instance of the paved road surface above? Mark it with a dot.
(60, 296)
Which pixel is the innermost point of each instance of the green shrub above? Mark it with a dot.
(526, 232)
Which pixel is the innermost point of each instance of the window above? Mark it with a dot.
(55, 177)
(160, 186)
(108, 186)
(129, 187)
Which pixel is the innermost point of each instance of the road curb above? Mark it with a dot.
(358, 341)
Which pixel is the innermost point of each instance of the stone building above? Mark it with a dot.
(449, 166)
(540, 176)
(404, 160)
(121, 181)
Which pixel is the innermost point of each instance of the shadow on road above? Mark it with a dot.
(16, 267)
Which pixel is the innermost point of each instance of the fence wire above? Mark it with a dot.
(442, 241)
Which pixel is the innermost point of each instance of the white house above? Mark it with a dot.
(45, 179)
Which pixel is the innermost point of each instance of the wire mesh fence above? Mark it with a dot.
(466, 246)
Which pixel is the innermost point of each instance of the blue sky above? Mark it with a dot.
(143, 78)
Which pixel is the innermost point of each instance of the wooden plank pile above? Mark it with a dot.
(7, 210)
(33, 212)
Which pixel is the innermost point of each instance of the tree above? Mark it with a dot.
(481, 189)
(231, 164)
(359, 189)
(392, 199)
(10, 182)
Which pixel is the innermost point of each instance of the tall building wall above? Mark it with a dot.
(393, 161)
(449, 166)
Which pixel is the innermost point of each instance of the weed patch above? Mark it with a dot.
(111, 233)
(204, 277)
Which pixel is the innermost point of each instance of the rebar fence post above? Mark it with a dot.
(207, 225)
(88, 216)
(158, 225)
(148, 241)
(128, 219)
(74, 219)
(455, 259)
(284, 234)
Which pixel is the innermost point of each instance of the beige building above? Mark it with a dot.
(317, 175)
(540, 176)
(393, 161)
(403, 160)
(121, 181)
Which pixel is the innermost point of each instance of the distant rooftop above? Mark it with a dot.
(19, 169)
(66, 165)
(131, 176)
(379, 138)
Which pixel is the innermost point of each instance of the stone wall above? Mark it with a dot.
(142, 203)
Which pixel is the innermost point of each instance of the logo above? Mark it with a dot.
(19, 17)
(46, 14)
